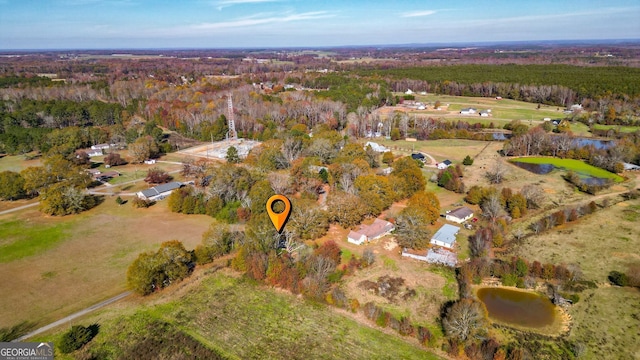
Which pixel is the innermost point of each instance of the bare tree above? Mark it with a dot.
(497, 172)
(492, 208)
(280, 182)
(465, 320)
(533, 194)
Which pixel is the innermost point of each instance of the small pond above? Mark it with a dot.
(598, 144)
(542, 169)
(517, 307)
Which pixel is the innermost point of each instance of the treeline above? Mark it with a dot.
(61, 113)
(12, 81)
(351, 91)
(537, 141)
(547, 84)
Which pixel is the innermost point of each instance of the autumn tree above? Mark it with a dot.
(412, 225)
(217, 241)
(307, 220)
(345, 209)
(114, 159)
(157, 176)
(142, 149)
(466, 320)
(11, 185)
(153, 271)
(387, 158)
(374, 191)
(406, 177)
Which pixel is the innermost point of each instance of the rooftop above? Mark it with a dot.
(461, 212)
(446, 234)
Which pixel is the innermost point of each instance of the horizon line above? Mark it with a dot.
(431, 44)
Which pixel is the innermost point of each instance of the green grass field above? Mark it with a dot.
(242, 320)
(624, 129)
(577, 166)
(17, 163)
(21, 239)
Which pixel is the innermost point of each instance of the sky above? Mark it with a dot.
(146, 24)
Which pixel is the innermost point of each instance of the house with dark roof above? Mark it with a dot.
(378, 229)
(159, 192)
(445, 236)
(459, 215)
(418, 156)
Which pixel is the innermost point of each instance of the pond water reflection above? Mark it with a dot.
(517, 307)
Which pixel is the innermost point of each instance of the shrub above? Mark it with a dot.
(467, 161)
(76, 338)
(140, 203)
(618, 278)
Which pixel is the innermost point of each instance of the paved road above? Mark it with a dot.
(19, 208)
(73, 316)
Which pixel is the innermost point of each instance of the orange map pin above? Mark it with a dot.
(280, 219)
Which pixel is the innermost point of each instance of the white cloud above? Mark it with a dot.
(221, 4)
(261, 19)
(419, 13)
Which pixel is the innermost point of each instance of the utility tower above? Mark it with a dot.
(233, 135)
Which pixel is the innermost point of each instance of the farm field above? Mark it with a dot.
(17, 163)
(239, 319)
(604, 241)
(54, 266)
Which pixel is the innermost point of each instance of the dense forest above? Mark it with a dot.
(506, 81)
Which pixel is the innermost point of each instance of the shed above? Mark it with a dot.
(445, 236)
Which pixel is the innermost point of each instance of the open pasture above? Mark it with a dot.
(53, 266)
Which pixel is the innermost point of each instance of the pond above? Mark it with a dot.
(518, 308)
(598, 144)
(545, 168)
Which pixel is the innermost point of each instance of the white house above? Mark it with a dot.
(459, 215)
(408, 92)
(150, 161)
(93, 153)
(445, 236)
(159, 192)
(485, 113)
(101, 146)
(376, 147)
(378, 229)
(468, 111)
(443, 165)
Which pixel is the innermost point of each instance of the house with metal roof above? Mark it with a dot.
(445, 236)
(159, 192)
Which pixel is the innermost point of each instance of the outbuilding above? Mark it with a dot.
(445, 236)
